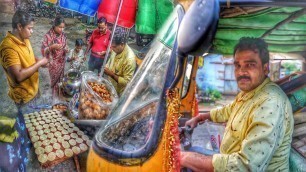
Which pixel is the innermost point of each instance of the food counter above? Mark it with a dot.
(57, 144)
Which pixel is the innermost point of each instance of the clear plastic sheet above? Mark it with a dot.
(96, 101)
(216, 132)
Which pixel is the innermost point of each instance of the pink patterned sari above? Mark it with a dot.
(57, 57)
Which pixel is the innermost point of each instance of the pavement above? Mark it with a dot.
(206, 107)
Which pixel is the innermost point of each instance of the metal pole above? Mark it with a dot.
(110, 42)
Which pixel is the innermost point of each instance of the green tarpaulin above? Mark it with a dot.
(289, 37)
(151, 15)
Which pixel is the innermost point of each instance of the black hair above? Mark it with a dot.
(79, 42)
(21, 17)
(102, 20)
(257, 45)
(58, 21)
(119, 36)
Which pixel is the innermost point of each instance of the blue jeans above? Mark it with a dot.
(95, 63)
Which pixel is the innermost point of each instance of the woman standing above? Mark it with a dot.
(54, 47)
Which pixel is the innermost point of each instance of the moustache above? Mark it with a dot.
(243, 77)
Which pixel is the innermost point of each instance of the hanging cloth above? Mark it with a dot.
(86, 7)
(109, 10)
(151, 15)
(51, 1)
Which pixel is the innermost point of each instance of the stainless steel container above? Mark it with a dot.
(71, 82)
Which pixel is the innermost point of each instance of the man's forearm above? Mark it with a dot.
(87, 48)
(25, 73)
(196, 162)
(203, 117)
(115, 77)
(20, 74)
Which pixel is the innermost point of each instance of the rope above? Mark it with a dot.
(171, 157)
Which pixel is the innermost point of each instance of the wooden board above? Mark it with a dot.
(54, 137)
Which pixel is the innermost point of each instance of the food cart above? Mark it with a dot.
(141, 131)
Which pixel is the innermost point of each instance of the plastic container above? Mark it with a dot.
(97, 98)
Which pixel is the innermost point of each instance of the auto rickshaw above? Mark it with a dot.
(141, 133)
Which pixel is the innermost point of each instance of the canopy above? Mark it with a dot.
(109, 10)
(51, 1)
(87, 7)
(284, 29)
(151, 15)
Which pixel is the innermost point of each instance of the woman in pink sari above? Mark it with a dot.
(54, 47)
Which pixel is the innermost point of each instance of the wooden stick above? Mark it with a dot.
(77, 163)
(287, 20)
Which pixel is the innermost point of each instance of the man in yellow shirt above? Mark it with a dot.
(121, 65)
(21, 69)
(18, 60)
(259, 126)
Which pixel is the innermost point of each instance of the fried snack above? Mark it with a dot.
(89, 107)
(60, 107)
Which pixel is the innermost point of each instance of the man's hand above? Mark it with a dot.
(111, 74)
(102, 53)
(108, 72)
(193, 122)
(43, 62)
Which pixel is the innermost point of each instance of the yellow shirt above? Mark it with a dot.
(258, 133)
(15, 52)
(123, 65)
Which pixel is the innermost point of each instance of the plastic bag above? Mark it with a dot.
(74, 105)
(97, 98)
(216, 132)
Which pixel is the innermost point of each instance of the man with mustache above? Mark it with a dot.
(259, 126)
(121, 64)
(98, 43)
